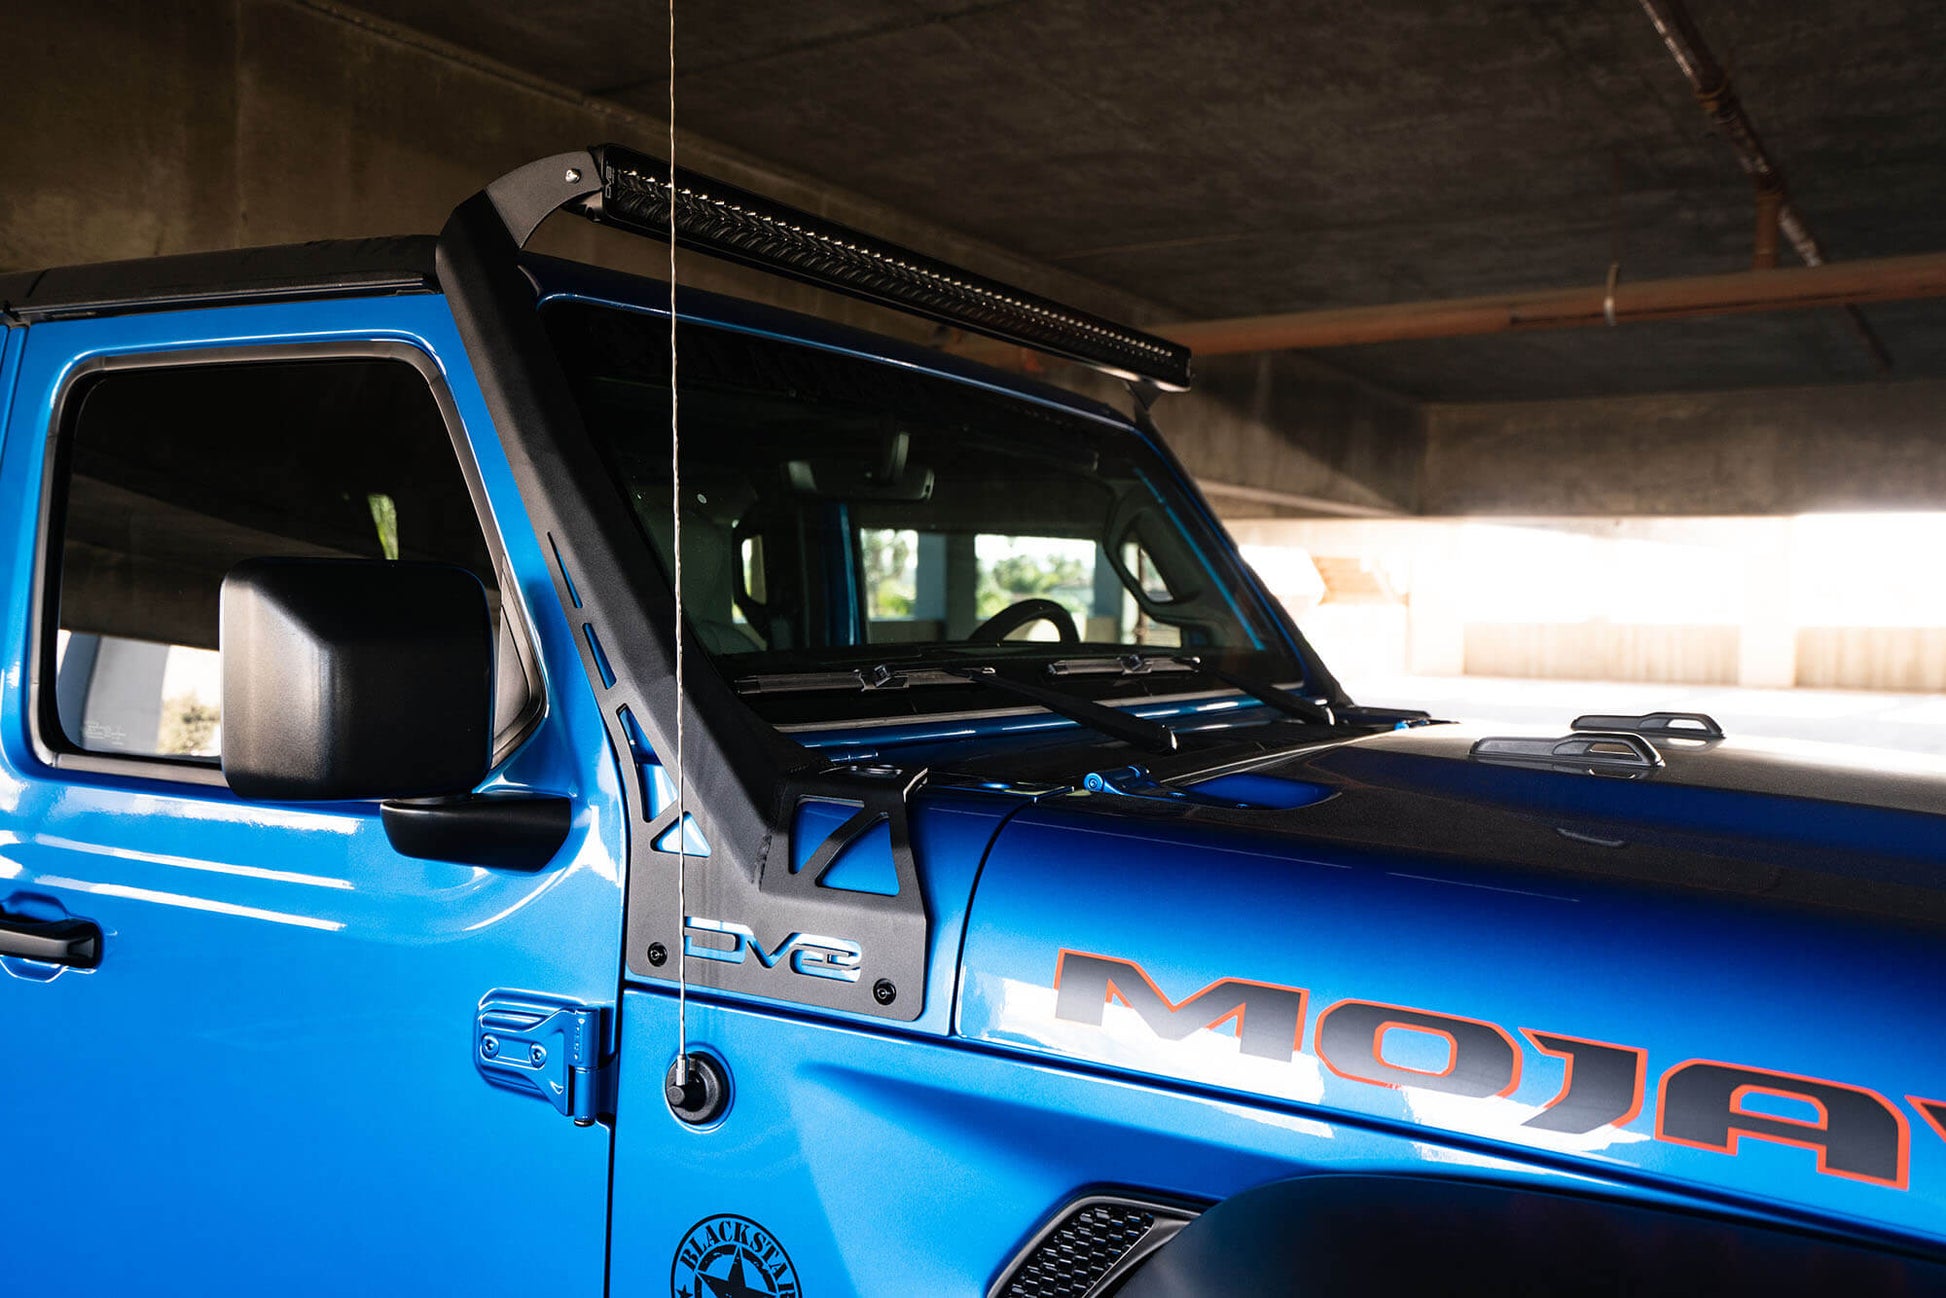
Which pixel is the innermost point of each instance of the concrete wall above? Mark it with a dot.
(137, 129)
(1603, 651)
(133, 130)
(1772, 451)
(1872, 657)
(1278, 436)
(1823, 603)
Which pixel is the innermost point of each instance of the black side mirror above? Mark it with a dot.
(355, 678)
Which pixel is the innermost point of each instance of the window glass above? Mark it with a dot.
(839, 512)
(173, 475)
(890, 559)
(1058, 568)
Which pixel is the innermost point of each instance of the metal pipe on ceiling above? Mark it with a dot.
(1718, 99)
(1888, 279)
(1837, 284)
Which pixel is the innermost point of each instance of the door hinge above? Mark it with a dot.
(544, 1045)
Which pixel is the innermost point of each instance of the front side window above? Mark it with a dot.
(170, 475)
(841, 512)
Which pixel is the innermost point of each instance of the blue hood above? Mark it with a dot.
(1428, 940)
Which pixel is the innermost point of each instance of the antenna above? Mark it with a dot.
(696, 1087)
(675, 519)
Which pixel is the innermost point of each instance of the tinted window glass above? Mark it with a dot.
(174, 475)
(839, 511)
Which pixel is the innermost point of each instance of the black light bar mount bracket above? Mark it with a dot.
(528, 195)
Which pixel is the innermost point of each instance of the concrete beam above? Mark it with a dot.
(1773, 451)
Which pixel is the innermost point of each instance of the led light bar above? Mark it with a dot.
(740, 226)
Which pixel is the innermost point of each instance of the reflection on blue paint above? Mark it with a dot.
(1264, 790)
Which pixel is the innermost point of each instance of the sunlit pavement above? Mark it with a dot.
(1910, 722)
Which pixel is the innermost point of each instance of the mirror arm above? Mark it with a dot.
(518, 831)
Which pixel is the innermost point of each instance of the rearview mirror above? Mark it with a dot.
(355, 678)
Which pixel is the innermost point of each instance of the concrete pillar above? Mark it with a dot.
(1436, 614)
(1767, 646)
(124, 708)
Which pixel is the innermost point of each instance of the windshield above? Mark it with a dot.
(841, 512)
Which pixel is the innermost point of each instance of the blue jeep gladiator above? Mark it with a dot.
(1036, 916)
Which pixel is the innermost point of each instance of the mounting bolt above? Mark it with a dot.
(658, 954)
(538, 1054)
(489, 1046)
(573, 176)
(884, 992)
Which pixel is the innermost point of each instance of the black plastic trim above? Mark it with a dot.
(1667, 725)
(282, 272)
(72, 942)
(1170, 1217)
(498, 830)
(1591, 752)
(1352, 1235)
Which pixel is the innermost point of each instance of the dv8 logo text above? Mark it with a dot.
(810, 955)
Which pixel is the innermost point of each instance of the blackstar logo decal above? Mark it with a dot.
(731, 1257)
(1854, 1131)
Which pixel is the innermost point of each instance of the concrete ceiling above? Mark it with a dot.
(1233, 157)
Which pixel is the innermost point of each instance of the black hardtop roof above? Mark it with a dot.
(405, 264)
(402, 264)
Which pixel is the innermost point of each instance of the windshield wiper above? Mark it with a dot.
(857, 680)
(1113, 722)
(1271, 696)
(1119, 665)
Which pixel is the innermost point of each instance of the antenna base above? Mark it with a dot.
(699, 1092)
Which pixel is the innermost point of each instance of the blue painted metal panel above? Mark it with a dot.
(1682, 975)
(11, 342)
(269, 1083)
(894, 1165)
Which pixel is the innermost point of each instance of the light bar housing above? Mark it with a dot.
(737, 225)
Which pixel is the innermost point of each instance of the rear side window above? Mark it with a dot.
(168, 476)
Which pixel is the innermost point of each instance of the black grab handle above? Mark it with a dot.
(74, 942)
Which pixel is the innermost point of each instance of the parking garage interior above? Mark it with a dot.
(1582, 355)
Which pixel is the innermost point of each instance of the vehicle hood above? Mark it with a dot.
(1856, 829)
(1773, 908)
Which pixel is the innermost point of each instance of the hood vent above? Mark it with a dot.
(1090, 1247)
